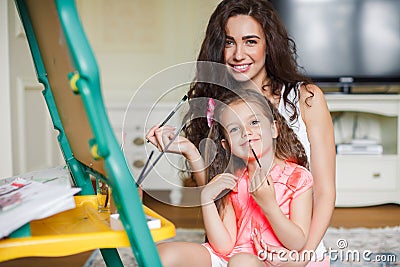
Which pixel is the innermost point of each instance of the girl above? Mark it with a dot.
(261, 200)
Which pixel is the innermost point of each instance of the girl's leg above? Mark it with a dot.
(176, 254)
(245, 259)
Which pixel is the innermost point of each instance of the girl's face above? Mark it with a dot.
(246, 124)
(245, 47)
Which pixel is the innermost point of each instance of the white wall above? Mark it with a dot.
(5, 105)
(33, 138)
(136, 39)
(132, 41)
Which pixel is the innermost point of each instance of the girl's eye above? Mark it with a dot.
(255, 122)
(234, 130)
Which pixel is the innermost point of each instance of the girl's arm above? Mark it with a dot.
(293, 232)
(221, 232)
(160, 137)
(220, 229)
(320, 131)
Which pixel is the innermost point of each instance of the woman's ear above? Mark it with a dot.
(274, 129)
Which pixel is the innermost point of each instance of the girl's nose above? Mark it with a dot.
(247, 131)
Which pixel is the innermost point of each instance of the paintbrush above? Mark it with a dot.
(255, 156)
(180, 103)
(184, 98)
(140, 179)
(143, 176)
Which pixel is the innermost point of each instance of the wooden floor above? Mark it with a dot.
(371, 217)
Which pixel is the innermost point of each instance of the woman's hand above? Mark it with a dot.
(274, 255)
(161, 136)
(216, 186)
(262, 188)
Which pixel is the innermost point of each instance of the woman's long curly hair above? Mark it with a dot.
(220, 160)
(280, 57)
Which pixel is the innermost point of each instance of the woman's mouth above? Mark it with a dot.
(241, 68)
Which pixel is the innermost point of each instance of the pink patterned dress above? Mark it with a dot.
(289, 182)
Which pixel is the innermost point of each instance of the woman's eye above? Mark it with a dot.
(255, 122)
(228, 43)
(251, 42)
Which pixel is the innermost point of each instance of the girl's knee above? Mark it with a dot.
(245, 259)
(177, 254)
(168, 254)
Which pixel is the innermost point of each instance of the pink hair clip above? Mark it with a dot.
(210, 111)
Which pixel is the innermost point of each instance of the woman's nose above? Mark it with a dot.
(239, 53)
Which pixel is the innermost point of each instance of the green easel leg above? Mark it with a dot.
(111, 257)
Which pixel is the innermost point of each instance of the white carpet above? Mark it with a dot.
(348, 247)
(374, 247)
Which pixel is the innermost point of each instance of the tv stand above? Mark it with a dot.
(366, 179)
(345, 89)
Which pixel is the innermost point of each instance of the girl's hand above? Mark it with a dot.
(218, 184)
(262, 187)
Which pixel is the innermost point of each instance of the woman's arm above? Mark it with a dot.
(320, 131)
(316, 116)
(293, 232)
(160, 137)
(220, 228)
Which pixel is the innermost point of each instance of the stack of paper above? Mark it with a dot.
(24, 200)
(360, 147)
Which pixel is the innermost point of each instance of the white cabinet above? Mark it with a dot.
(131, 125)
(367, 179)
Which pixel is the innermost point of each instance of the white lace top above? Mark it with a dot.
(297, 125)
(299, 128)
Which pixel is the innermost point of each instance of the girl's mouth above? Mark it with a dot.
(250, 142)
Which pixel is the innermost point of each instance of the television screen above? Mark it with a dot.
(345, 42)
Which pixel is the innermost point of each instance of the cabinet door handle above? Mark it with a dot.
(139, 141)
(376, 175)
(138, 163)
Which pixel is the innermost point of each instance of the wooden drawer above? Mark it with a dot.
(366, 173)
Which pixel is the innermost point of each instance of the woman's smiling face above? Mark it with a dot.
(245, 47)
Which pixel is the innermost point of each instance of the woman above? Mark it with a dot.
(249, 38)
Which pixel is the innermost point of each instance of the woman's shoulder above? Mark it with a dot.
(305, 94)
(310, 93)
(313, 106)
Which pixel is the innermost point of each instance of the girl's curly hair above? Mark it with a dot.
(220, 160)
